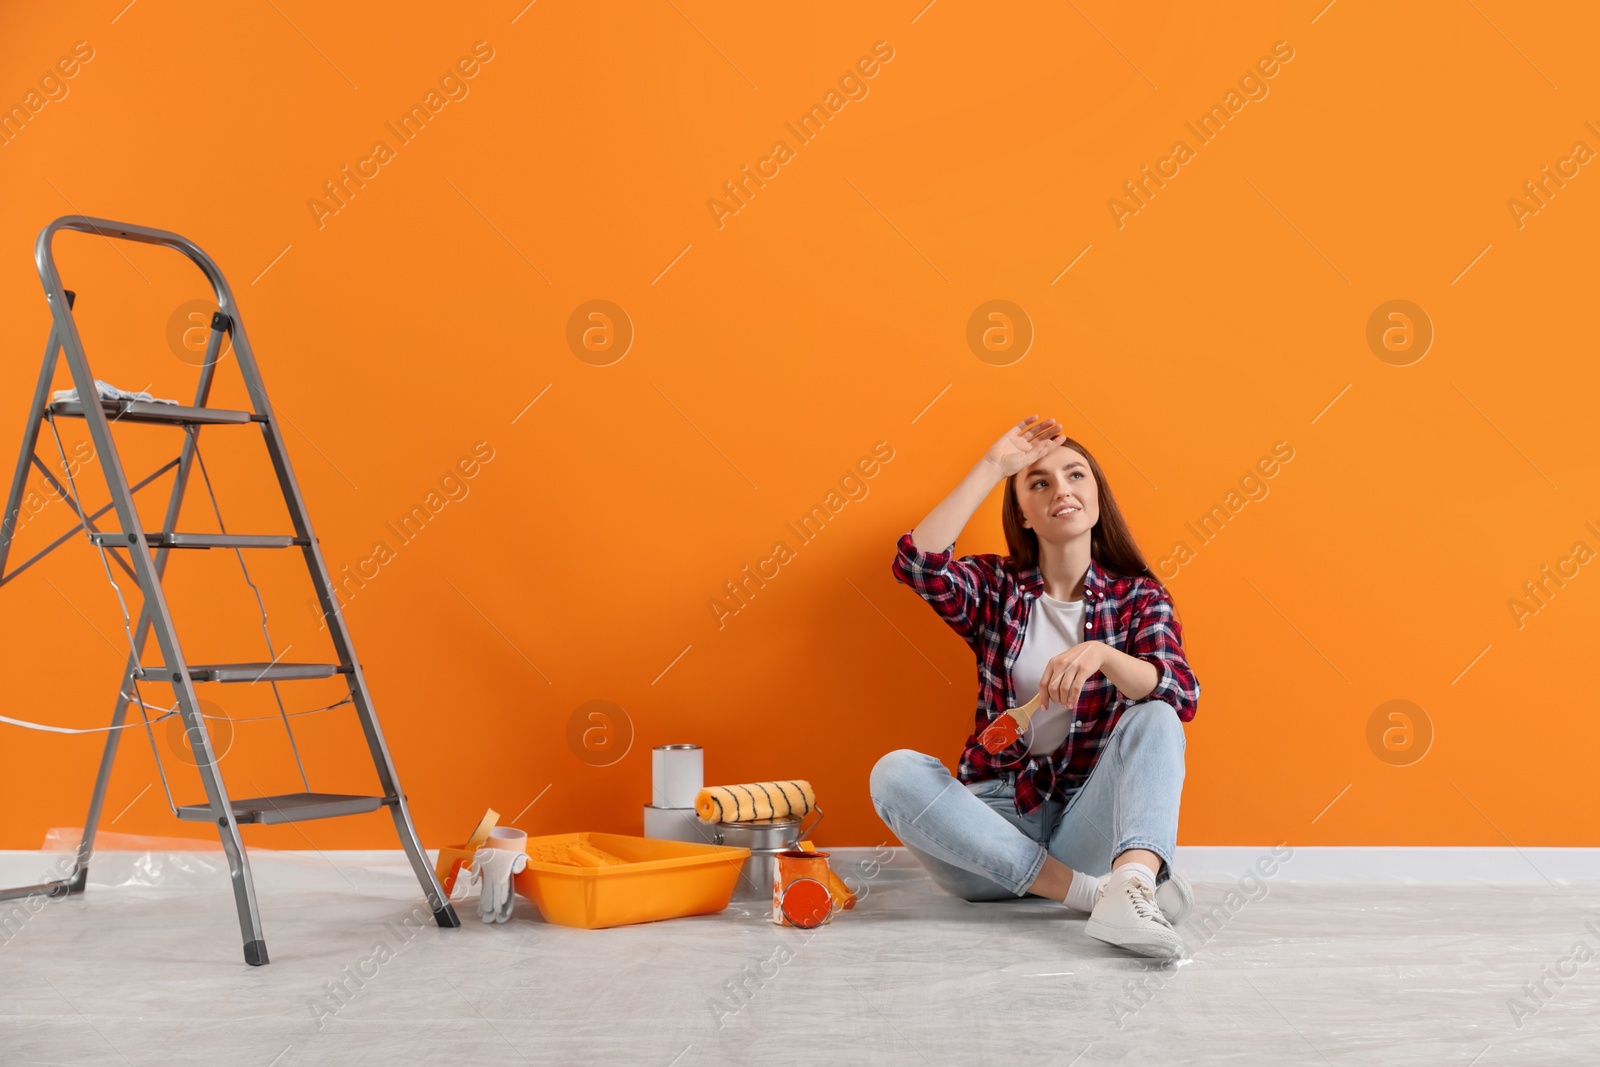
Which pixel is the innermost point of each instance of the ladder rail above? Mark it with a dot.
(155, 600)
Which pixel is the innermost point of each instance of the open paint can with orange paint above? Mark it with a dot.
(800, 894)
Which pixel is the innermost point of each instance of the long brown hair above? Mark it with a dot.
(1111, 543)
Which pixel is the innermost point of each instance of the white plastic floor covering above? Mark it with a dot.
(1279, 974)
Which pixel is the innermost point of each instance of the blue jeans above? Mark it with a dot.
(976, 846)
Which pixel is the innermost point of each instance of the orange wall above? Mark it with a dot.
(776, 346)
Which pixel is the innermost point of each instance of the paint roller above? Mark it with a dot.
(754, 801)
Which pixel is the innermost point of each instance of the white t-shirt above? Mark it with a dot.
(1053, 627)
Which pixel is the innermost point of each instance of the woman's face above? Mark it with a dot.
(1058, 496)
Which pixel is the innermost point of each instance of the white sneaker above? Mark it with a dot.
(1174, 896)
(1130, 918)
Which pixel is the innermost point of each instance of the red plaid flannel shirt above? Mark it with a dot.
(986, 599)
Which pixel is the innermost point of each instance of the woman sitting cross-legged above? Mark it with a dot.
(1074, 615)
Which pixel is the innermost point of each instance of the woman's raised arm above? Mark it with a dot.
(1019, 446)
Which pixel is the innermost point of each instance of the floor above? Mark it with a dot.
(149, 971)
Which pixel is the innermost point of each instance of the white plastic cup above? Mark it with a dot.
(507, 837)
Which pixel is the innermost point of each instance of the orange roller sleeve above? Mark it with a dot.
(755, 800)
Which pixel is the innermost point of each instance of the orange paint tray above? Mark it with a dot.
(655, 880)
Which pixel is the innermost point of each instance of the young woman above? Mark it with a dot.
(1074, 615)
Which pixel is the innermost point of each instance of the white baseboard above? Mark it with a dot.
(1395, 865)
(1319, 865)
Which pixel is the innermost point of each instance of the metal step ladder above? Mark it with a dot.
(148, 548)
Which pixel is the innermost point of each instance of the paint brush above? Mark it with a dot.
(1007, 727)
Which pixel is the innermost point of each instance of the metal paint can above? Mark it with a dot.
(800, 894)
(765, 838)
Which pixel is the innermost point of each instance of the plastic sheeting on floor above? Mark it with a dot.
(145, 968)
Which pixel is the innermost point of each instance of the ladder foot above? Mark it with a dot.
(446, 917)
(255, 953)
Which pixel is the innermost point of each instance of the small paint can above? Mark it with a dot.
(800, 894)
(677, 773)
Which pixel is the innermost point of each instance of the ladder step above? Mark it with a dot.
(288, 807)
(168, 539)
(246, 672)
(143, 411)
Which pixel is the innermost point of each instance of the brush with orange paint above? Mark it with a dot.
(1003, 732)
